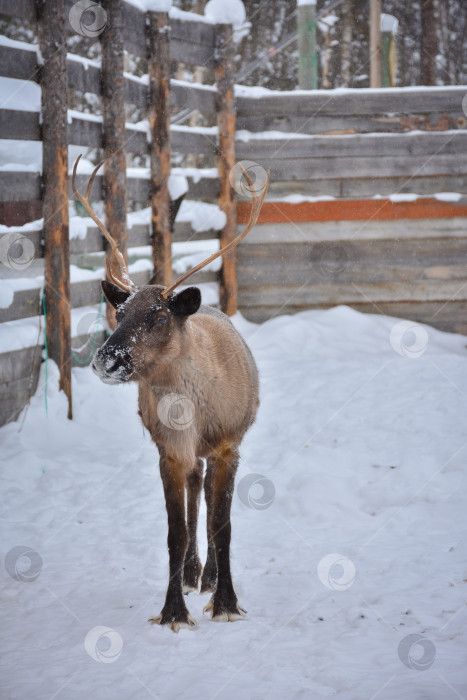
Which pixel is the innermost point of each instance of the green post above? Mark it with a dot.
(389, 25)
(307, 56)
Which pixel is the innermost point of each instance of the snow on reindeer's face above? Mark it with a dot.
(148, 328)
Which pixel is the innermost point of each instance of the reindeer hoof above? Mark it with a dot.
(184, 622)
(222, 613)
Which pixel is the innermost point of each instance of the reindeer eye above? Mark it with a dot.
(160, 320)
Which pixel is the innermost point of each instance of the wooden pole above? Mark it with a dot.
(389, 26)
(307, 56)
(375, 43)
(224, 54)
(159, 148)
(51, 26)
(113, 96)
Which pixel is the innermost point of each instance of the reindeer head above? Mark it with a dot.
(150, 320)
(149, 331)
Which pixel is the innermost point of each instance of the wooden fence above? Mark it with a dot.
(359, 209)
(30, 195)
(386, 228)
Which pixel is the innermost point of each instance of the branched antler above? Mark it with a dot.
(255, 210)
(124, 281)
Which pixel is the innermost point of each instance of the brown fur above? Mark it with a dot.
(172, 347)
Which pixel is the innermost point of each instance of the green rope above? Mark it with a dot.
(94, 340)
(46, 356)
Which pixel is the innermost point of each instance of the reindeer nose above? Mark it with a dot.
(111, 366)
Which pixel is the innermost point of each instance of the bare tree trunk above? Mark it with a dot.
(327, 51)
(375, 43)
(346, 42)
(428, 44)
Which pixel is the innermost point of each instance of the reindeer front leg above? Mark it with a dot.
(174, 613)
(223, 605)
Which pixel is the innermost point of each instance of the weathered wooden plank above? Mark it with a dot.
(353, 262)
(193, 96)
(19, 125)
(399, 166)
(360, 187)
(51, 26)
(350, 124)
(19, 186)
(18, 63)
(384, 229)
(354, 146)
(185, 140)
(14, 395)
(353, 102)
(353, 210)
(422, 185)
(18, 364)
(17, 213)
(24, 9)
(345, 293)
(184, 232)
(450, 317)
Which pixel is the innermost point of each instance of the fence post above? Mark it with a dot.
(224, 54)
(159, 147)
(307, 54)
(113, 96)
(51, 29)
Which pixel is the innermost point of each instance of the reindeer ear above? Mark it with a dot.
(114, 294)
(185, 303)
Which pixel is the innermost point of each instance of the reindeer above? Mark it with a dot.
(197, 397)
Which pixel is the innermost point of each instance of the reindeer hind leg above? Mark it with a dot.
(192, 567)
(209, 578)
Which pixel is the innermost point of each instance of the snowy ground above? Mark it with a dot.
(363, 449)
